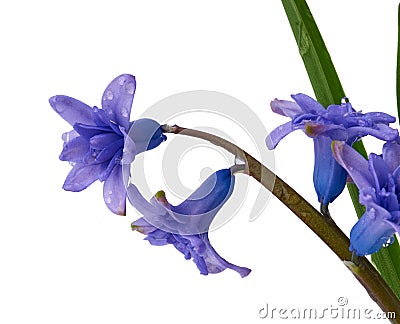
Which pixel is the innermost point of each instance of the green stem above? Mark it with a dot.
(323, 227)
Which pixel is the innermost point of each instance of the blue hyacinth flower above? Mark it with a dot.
(99, 143)
(186, 225)
(337, 122)
(378, 180)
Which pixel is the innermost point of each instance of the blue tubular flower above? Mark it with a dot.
(99, 141)
(186, 226)
(379, 182)
(337, 122)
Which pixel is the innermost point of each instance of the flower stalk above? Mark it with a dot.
(325, 228)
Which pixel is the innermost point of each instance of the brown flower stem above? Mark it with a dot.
(324, 227)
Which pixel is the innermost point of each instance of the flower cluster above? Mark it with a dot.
(103, 140)
(378, 180)
(98, 144)
(337, 122)
(186, 226)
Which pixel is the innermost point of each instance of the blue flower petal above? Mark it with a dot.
(391, 154)
(110, 166)
(142, 226)
(117, 99)
(285, 108)
(329, 177)
(100, 141)
(379, 117)
(109, 151)
(315, 129)
(308, 104)
(215, 263)
(354, 163)
(277, 134)
(71, 110)
(88, 131)
(129, 151)
(371, 232)
(114, 192)
(379, 171)
(195, 214)
(380, 131)
(81, 176)
(146, 133)
(141, 204)
(75, 149)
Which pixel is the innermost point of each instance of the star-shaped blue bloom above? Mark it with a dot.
(186, 226)
(337, 122)
(99, 141)
(378, 180)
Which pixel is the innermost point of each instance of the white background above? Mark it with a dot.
(66, 259)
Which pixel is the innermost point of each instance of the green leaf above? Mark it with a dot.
(314, 53)
(328, 90)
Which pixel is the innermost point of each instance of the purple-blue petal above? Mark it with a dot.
(195, 214)
(371, 232)
(195, 247)
(277, 134)
(81, 176)
(110, 166)
(109, 151)
(354, 163)
(141, 204)
(380, 131)
(391, 154)
(75, 149)
(69, 136)
(117, 99)
(159, 238)
(146, 133)
(334, 132)
(71, 110)
(215, 263)
(100, 141)
(114, 192)
(367, 196)
(329, 177)
(142, 226)
(379, 117)
(285, 108)
(129, 152)
(379, 171)
(88, 131)
(308, 104)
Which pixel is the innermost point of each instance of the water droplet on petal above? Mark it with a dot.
(124, 112)
(389, 241)
(121, 80)
(345, 100)
(107, 200)
(110, 192)
(130, 87)
(108, 95)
